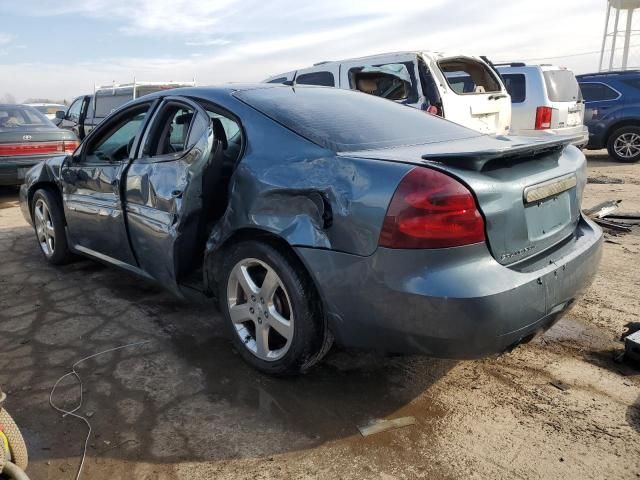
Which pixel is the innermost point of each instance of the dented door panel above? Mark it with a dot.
(163, 200)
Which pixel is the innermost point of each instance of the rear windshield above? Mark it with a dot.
(20, 117)
(468, 76)
(342, 120)
(562, 86)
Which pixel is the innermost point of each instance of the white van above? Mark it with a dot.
(546, 100)
(460, 88)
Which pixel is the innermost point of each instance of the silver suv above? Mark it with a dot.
(545, 100)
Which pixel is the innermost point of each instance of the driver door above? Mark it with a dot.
(92, 190)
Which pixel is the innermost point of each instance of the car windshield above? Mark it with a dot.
(343, 120)
(562, 86)
(20, 117)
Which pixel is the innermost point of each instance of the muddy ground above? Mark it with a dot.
(185, 406)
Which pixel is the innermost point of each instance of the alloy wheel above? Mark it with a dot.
(260, 309)
(627, 145)
(44, 227)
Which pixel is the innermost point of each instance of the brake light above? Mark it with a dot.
(431, 210)
(37, 148)
(69, 146)
(543, 118)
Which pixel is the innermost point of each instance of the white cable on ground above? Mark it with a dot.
(72, 412)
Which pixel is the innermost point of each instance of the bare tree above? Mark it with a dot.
(7, 98)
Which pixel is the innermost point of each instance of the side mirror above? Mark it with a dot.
(60, 114)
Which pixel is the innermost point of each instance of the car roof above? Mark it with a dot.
(607, 75)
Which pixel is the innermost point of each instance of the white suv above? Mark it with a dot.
(463, 89)
(545, 100)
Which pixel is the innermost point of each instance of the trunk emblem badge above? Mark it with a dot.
(27, 137)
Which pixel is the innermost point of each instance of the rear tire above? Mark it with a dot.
(623, 144)
(48, 221)
(271, 309)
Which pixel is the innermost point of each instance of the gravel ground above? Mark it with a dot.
(185, 406)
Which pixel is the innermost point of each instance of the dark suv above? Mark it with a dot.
(612, 112)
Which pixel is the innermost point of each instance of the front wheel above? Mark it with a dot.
(271, 309)
(624, 144)
(48, 221)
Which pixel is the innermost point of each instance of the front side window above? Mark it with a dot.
(468, 76)
(597, 92)
(516, 85)
(323, 79)
(115, 145)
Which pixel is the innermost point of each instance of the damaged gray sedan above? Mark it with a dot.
(315, 214)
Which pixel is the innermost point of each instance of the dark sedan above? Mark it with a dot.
(315, 214)
(26, 138)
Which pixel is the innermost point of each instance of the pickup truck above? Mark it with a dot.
(87, 111)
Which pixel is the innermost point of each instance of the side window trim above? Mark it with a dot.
(97, 133)
(153, 125)
(606, 86)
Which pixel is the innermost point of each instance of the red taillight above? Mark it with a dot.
(543, 118)
(37, 148)
(431, 210)
(69, 146)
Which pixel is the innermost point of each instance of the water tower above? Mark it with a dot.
(625, 9)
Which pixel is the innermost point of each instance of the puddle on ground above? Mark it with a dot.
(570, 330)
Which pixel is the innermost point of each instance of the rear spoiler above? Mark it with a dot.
(479, 159)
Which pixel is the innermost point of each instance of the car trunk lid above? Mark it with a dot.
(30, 141)
(529, 191)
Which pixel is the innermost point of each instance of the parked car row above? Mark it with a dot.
(514, 99)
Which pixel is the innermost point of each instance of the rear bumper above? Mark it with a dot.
(579, 134)
(450, 303)
(13, 169)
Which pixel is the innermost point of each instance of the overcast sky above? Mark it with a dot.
(59, 49)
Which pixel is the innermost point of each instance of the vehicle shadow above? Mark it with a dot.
(633, 415)
(185, 395)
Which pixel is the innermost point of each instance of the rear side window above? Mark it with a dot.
(516, 85)
(341, 120)
(323, 79)
(595, 92)
(278, 80)
(562, 86)
(633, 82)
(468, 76)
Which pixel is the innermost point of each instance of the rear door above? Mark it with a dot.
(474, 95)
(599, 100)
(164, 189)
(91, 187)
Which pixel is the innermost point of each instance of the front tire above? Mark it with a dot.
(271, 309)
(624, 144)
(48, 221)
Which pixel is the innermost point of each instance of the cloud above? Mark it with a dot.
(5, 39)
(249, 40)
(209, 42)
